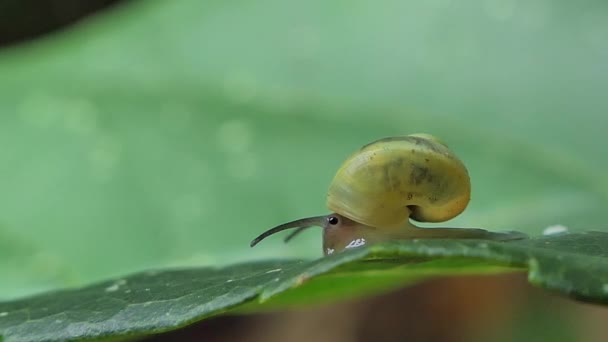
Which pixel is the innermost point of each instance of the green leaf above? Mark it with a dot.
(574, 265)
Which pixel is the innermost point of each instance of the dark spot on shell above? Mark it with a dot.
(441, 186)
(427, 160)
(393, 173)
(426, 143)
(410, 196)
(418, 174)
(398, 162)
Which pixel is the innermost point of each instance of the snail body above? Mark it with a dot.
(379, 188)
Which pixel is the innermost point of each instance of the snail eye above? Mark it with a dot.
(333, 220)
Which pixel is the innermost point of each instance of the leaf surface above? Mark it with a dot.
(574, 265)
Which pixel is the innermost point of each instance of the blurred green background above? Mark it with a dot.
(172, 133)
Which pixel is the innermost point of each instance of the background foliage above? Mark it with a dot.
(171, 133)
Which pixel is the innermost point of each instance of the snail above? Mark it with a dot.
(387, 183)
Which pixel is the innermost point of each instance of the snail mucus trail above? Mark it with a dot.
(379, 189)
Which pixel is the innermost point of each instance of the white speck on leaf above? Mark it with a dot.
(3, 314)
(555, 229)
(229, 280)
(275, 270)
(116, 285)
(112, 288)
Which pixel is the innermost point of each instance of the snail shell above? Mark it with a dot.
(379, 188)
(391, 180)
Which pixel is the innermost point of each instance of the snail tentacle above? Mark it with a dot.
(300, 224)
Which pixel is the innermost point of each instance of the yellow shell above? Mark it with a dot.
(391, 180)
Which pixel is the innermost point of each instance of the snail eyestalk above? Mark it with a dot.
(300, 224)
